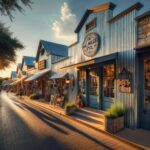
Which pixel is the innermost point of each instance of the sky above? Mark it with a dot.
(55, 21)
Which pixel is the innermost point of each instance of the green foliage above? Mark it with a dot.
(8, 43)
(51, 86)
(70, 104)
(116, 110)
(8, 7)
(31, 96)
(8, 47)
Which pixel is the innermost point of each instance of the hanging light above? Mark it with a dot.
(67, 81)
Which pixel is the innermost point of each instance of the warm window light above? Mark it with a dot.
(67, 81)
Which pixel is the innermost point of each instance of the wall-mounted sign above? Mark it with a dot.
(125, 79)
(143, 37)
(91, 44)
(42, 64)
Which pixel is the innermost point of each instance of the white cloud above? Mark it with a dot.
(64, 27)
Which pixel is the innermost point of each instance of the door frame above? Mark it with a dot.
(101, 90)
(141, 87)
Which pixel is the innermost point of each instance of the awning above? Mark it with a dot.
(19, 80)
(101, 59)
(37, 75)
(58, 75)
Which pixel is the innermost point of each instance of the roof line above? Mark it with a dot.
(95, 9)
(147, 13)
(136, 6)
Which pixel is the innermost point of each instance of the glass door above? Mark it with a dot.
(94, 88)
(147, 84)
(108, 86)
(146, 94)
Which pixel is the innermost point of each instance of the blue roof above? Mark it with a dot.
(29, 61)
(13, 74)
(54, 48)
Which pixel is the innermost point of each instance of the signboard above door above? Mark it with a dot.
(42, 64)
(91, 44)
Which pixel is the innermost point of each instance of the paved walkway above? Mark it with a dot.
(139, 136)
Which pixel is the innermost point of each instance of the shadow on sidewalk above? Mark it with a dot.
(51, 120)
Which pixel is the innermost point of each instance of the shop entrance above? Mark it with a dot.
(145, 117)
(96, 86)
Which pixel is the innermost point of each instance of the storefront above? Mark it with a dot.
(47, 53)
(109, 62)
(104, 63)
(143, 59)
(96, 85)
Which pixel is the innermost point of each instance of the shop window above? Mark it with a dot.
(90, 25)
(94, 82)
(147, 83)
(108, 80)
(82, 82)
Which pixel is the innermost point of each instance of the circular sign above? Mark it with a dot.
(91, 44)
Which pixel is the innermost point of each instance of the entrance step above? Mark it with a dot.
(90, 117)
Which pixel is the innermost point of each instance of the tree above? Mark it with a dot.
(8, 44)
(8, 47)
(7, 7)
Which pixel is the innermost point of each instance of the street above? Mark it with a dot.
(25, 126)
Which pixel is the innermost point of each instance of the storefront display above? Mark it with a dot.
(147, 83)
(108, 80)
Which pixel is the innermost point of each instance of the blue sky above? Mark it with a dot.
(54, 20)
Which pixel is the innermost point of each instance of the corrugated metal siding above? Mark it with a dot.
(123, 39)
(118, 36)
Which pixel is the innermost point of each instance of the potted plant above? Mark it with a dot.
(70, 107)
(114, 118)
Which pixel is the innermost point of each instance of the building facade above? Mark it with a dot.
(109, 62)
(104, 62)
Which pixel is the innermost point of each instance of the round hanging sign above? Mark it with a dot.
(91, 44)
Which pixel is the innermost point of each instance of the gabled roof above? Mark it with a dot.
(13, 74)
(136, 6)
(53, 48)
(144, 15)
(29, 61)
(95, 9)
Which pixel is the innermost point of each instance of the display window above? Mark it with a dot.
(82, 82)
(108, 80)
(147, 83)
(94, 82)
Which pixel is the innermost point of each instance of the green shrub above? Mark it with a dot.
(70, 104)
(116, 110)
(32, 96)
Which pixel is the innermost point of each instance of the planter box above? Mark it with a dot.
(70, 110)
(114, 125)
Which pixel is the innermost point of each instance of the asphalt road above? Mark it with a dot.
(25, 126)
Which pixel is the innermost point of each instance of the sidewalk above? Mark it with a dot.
(138, 137)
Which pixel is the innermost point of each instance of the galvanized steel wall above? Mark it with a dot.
(123, 40)
(117, 36)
